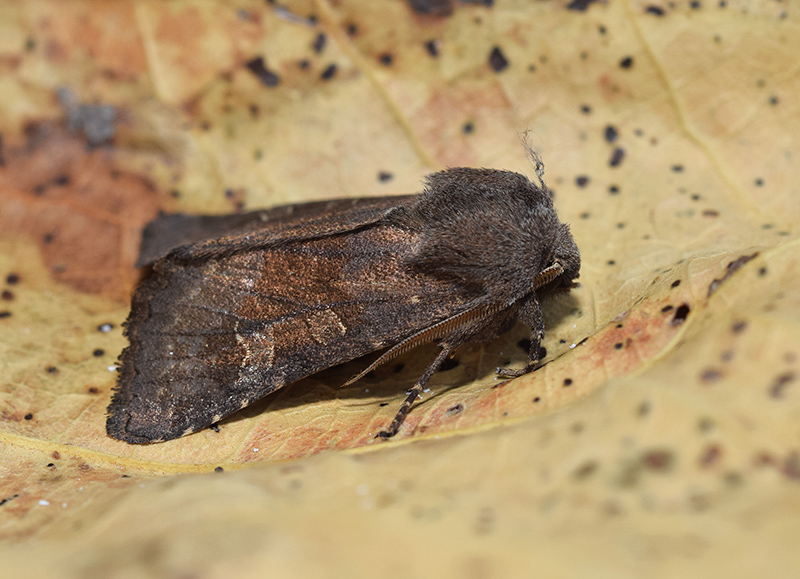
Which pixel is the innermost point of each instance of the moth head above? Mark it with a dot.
(566, 254)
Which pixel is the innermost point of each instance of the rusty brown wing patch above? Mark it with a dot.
(218, 325)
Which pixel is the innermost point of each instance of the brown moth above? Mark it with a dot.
(239, 306)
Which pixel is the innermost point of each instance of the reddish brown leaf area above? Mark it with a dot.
(29, 508)
(83, 211)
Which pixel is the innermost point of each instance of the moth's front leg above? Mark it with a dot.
(531, 314)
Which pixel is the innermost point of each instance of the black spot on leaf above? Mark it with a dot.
(497, 61)
(680, 315)
(260, 70)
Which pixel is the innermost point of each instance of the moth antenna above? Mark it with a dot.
(439, 330)
(534, 158)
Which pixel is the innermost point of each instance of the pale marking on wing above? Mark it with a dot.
(259, 348)
(325, 326)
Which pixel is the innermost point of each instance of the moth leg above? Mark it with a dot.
(413, 394)
(531, 314)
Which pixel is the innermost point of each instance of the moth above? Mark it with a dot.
(238, 306)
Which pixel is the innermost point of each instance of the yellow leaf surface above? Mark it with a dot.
(661, 437)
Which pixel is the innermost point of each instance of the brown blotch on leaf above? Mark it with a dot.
(705, 425)
(453, 410)
(710, 375)
(733, 267)
(764, 458)
(497, 60)
(329, 72)
(733, 479)
(259, 68)
(710, 455)
(791, 467)
(319, 43)
(432, 7)
(8, 499)
(739, 327)
(779, 385)
(432, 46)
(617, 156)
(680, 315)
(586, 470)
(582, 6)
(658, 460)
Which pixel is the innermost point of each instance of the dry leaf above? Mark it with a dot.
(659, 439)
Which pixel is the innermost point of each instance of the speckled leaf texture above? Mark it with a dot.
(660, 439)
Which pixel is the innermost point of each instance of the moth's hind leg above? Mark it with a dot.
(413, 394)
